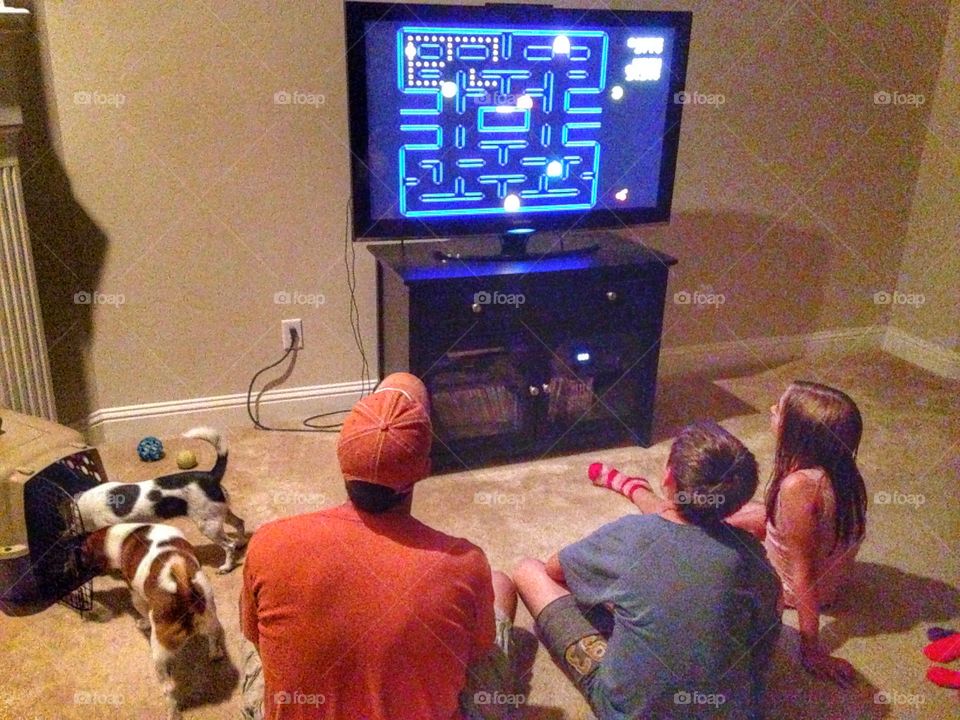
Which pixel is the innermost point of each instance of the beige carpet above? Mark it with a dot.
(57, 665)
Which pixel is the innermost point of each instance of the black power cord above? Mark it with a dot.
(350, 264)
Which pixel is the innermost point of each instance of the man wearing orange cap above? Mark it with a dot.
(362, 611)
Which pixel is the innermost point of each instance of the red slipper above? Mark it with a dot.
(944, 650)
(944, 677)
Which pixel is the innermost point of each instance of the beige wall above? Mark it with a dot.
(198, 198)
(931, 261)
(793, 195)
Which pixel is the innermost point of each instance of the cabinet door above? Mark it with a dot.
(482, 406)
(600, 387)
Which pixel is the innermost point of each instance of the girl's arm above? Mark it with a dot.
(799, 508)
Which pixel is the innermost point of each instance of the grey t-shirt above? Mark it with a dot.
(695, 618)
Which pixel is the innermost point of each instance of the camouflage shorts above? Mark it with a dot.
(576, 640)
(251, 688)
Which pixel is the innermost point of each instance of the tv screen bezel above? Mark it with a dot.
(366, 228)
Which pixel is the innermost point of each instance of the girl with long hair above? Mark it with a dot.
(813, 520)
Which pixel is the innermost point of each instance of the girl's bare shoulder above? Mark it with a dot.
(806, 484)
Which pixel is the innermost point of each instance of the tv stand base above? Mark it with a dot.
(515, 246)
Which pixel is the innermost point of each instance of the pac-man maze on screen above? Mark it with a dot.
(499, 121)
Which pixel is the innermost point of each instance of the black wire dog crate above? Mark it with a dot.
(43, 466)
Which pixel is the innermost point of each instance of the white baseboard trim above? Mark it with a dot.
(174, 417)
(738, 354)
(924, 354)
(283, 405)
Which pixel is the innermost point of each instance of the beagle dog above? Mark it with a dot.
(168, 589)
(197, 494)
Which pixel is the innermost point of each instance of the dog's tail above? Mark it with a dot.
(215, 438)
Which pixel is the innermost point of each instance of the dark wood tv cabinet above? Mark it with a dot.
(525, 358)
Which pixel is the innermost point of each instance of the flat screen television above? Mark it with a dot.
(503, 120)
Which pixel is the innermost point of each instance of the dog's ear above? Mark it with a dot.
(93, 554)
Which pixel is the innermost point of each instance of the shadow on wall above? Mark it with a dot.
(68, 247)
(682, 400)
(739, 277)
(742, 276)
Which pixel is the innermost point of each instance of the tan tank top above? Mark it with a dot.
(832, 564)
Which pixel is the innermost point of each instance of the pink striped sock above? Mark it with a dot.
(603, 475)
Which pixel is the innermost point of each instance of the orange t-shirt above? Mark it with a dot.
(364, 617)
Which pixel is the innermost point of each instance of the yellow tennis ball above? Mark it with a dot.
(186, 459)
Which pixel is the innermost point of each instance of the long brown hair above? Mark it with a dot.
(821, 427)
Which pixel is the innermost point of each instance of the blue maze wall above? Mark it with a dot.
(496, 121)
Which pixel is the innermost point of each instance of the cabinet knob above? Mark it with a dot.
(612, 296)
(546, 388)
(534, 390)
(477, 308)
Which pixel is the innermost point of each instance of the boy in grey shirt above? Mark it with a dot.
(670, 613)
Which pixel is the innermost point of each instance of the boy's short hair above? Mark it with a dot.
(372, 498)
(714, 472)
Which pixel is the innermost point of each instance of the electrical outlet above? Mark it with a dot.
(288, 325)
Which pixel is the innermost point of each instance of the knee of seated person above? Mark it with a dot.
(527, 569)
(503, 581)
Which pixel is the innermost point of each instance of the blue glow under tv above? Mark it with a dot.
(499, 118)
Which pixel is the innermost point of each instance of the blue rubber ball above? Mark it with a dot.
(150, 449)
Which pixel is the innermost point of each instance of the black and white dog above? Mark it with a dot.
(196, 494)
